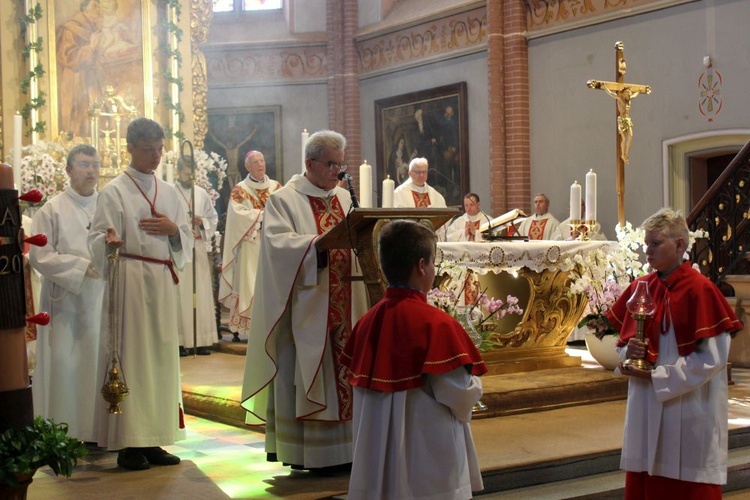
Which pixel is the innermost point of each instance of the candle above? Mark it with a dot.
(388, 187)
(590, 196)
(17, 146)
(170, 173)
(575, 201)
(305, 136)
(365, 185)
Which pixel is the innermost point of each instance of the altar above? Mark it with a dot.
(538, 273)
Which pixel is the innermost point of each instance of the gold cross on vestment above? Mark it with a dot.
(623, 93)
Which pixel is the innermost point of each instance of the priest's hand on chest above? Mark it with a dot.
(159, 224)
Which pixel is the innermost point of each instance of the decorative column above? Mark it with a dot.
(508, 88)
(201, 14)
(343, 84)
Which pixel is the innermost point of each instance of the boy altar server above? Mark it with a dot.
(414, 373)
(675, 442)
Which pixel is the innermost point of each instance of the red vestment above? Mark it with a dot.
(403, 338)
(688, 299)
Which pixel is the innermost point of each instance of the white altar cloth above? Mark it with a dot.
(512, 255)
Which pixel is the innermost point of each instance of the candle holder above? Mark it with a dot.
(641, 307)
(583, 229)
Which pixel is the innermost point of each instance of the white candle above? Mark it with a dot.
(388, 187)
(305, 136)
(590, 196)
(17, 147)
(575, 201)
(170, 173)
(365, 185)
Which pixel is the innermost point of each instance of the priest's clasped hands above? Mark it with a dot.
(636, 349)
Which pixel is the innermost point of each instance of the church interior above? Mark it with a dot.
(638, 103)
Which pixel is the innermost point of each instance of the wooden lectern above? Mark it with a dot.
(360, 231)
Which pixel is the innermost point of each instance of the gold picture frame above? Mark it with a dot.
(89, 53)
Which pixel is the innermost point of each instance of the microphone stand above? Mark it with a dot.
(344, 175)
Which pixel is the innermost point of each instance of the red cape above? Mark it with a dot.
(696, 307)
(402, 338)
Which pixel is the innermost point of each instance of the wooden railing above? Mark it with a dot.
(724, 213)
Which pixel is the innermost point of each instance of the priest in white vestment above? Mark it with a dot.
(300, 322)
(144, 216)
(205, 220)
(542, 225)
(416, 193)
(466, 226)
(67, 380)
(242, 241)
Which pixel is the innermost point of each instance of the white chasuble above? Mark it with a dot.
(293, 380)
(242, 249)
(146, 312)
(67, 380)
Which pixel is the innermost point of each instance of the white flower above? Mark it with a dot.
(43, 168)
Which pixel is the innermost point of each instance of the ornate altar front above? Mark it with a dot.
(538, 273)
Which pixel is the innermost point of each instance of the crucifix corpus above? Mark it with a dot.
(623, 93)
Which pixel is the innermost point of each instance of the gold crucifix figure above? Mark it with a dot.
(623, 93)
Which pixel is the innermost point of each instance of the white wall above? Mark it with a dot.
(573, 128)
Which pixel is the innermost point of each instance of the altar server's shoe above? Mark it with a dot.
(133, 459)
(158, 456)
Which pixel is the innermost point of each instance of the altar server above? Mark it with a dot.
(67, 380)
(675, 442)
(204, 224)
(294, 381)
(242, 241)
(414, 371)
(144, 216)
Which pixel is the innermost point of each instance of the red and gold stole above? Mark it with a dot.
(328, 213)
(471, 230)
(421, 200)
(258, 201)
(536, 231)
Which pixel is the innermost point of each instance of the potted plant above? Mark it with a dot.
(24, 450)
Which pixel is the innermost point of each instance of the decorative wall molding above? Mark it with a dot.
(265, 65)
(457, 34)
(545, 17)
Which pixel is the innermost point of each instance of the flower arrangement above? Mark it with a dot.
(449, 292)
(209, 166)
(604, 274)
(43, 168)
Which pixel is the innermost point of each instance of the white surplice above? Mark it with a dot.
(399, 454)
(67, 380)
(549, 228)
(147, 311)
(205, 309)
(289, 380)
(242, 249)
(676, 424)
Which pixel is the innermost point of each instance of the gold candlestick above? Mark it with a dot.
(641, 307)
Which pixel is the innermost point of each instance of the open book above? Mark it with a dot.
(501, 221)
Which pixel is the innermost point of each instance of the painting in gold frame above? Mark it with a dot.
(94, 44)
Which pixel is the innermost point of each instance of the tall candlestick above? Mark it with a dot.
(365, 185)
(388, 187)
(305, 136)
(17, 147)
(575, 201)
(591, 196)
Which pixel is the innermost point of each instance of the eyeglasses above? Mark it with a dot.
(341, 167)
(87, 164)
(420, 172)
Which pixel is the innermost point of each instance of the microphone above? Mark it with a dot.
(489, 225)
(344, 175)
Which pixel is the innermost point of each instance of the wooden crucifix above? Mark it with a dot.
(623, 93)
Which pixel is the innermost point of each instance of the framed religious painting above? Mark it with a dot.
(430, 124)
(232, 132)
(101, 48)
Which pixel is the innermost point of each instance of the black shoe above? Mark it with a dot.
(133, 459)
(157, 456)
(204, 351)
(183, 352)
(332, 470)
